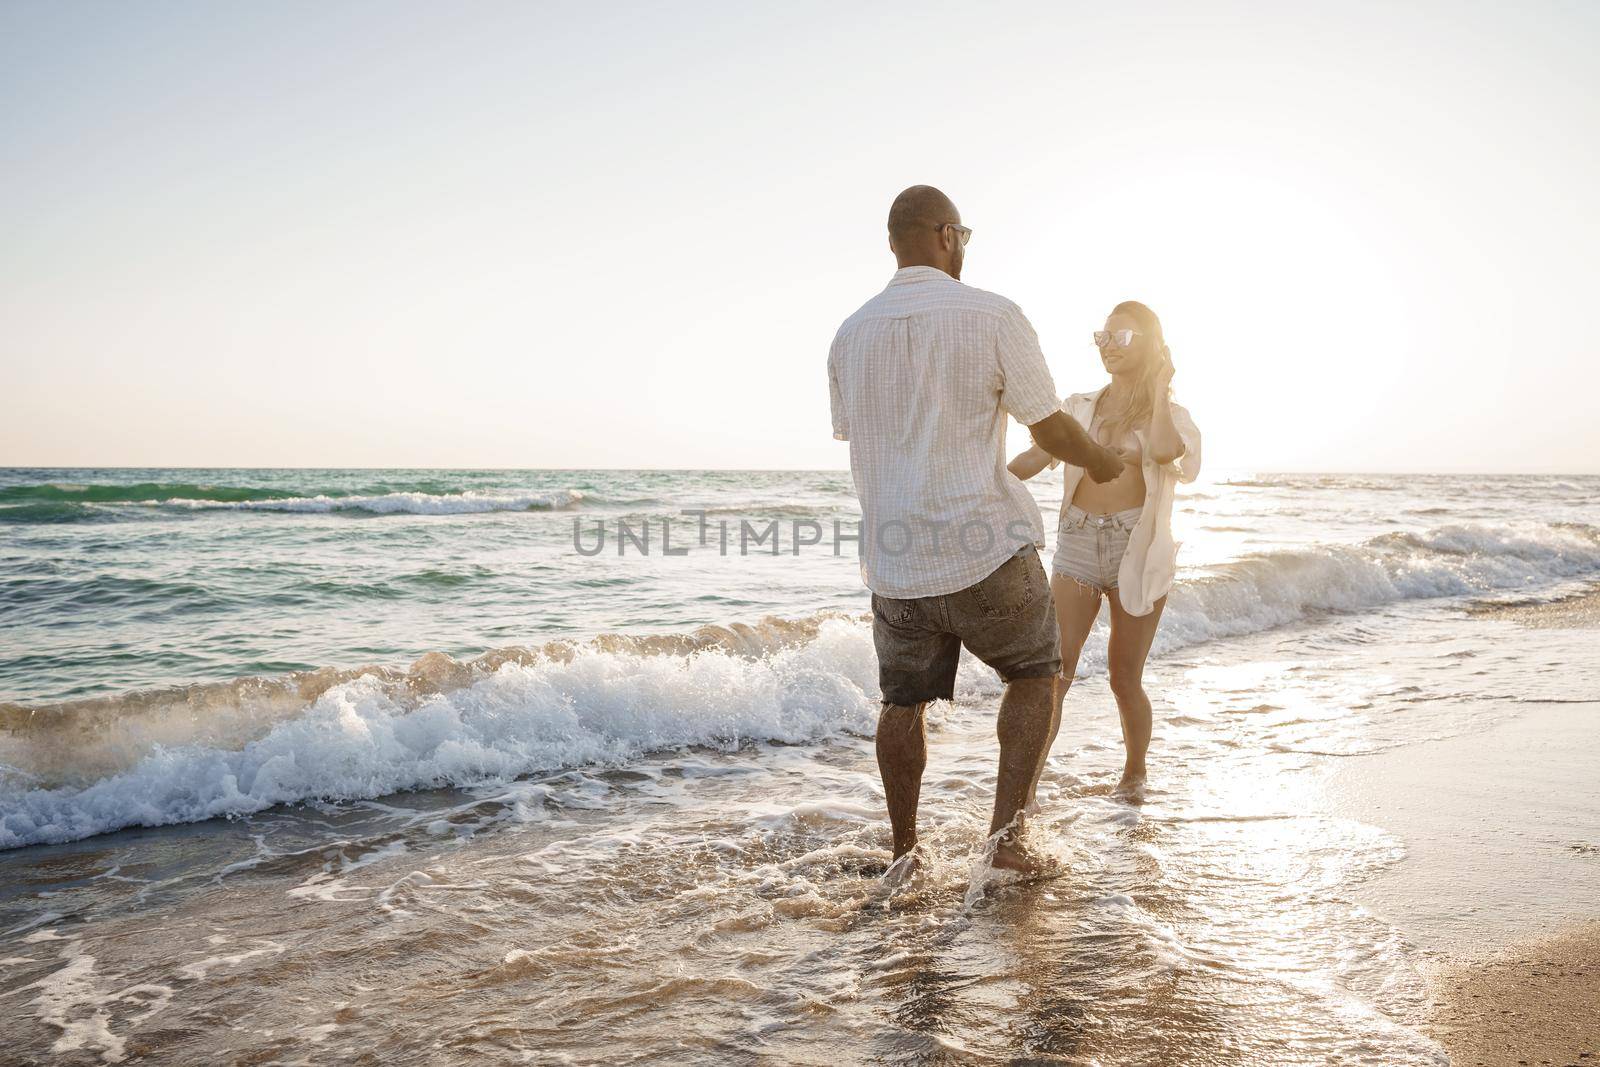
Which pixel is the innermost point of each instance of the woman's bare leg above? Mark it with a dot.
(1077, 606)
(1129, 647)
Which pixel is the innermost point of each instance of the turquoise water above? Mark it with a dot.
(112, 580)
(117, 580)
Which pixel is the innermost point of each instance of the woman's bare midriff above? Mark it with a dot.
(1121, 493)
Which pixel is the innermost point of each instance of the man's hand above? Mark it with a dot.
(1061, 436)
(1107, 465)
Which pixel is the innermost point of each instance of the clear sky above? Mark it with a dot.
(573, 234)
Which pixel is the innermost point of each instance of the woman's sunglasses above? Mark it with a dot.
(1120, 338)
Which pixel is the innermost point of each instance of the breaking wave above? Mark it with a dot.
(69, 771)
(63, 503)
(465, 503)
(182, 756)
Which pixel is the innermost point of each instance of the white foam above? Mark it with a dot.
(1276, 588)
(357, 741)
(198, 969)
(82, 1004)
(467, 503)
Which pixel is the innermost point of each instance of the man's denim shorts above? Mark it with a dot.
(1007, 620)
(1089, 548)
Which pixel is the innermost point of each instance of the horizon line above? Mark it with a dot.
(1458, 472)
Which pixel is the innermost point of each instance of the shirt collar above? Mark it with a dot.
(1085, 402)
(907, 275)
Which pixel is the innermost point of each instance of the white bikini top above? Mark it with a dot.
(1130, 441)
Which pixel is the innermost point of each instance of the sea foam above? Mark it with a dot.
(470, 502)
(361, 739)
(67, 506)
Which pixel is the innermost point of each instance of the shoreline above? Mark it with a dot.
(1580, 611)
(1499, 888)
(1498, 891)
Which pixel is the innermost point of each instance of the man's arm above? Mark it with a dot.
(1060, 435)
(1027, 392)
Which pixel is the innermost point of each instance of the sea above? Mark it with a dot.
(565, 766)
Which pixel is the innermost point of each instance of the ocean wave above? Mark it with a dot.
(1276, 588)
(106, 591)
(441, 723)
(470, 502)
(50, 513)
(111, 503)
(1302, 482)
(72, 770)
(136, 493)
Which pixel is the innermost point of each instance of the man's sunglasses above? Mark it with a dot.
(963, 233)
(1121, 338)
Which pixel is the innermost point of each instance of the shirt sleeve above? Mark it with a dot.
(1187, 465)
(1026, 389)
(1054, 462)
(841, 421)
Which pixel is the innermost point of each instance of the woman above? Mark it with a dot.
(1115, 538)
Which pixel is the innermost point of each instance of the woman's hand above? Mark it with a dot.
(1165, 444)
(1029, 463)
(1165, 372)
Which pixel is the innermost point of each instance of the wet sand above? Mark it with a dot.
(1500, 885)
(1575, 612)
(1538, 1003)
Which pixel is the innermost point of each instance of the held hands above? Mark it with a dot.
(1106, 464)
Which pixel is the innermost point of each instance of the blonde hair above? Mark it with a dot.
(1141, 404)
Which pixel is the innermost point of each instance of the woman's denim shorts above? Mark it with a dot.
(1089, 547)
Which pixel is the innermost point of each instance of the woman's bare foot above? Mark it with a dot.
(1132, 785)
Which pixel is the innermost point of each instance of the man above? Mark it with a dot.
(921, 380)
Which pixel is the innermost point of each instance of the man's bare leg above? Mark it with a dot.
(902, 754)
(1024, 728)
(1031, 805)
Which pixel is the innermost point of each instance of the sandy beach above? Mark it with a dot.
(1509, 915)
(1537, 1003)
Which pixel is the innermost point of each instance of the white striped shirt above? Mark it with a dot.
(921, 379)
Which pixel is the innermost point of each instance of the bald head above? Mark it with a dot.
(919, 207)
(917, 234)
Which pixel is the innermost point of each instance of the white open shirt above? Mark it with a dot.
(1150, 562)
(921, 380)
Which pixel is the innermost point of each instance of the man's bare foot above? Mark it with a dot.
(1011, 854)
(903, 867)
(1131, 787)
